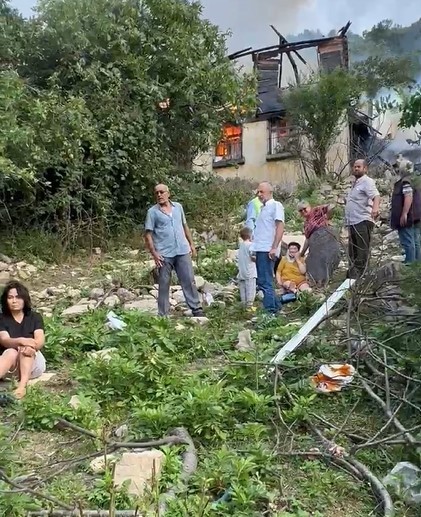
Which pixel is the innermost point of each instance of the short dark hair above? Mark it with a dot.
(296, 244)
(245, 233)
(22, 293)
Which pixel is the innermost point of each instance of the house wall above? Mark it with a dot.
(286, 172)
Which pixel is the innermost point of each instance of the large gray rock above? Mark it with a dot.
(77, 310)
(245, 342)
(140, 469)
(4, 266)
(5, 258)
(405, 480)
(146, 305)
(4, 277)
(200, 282)
(125, 295)
(96, 293)
(112, 301)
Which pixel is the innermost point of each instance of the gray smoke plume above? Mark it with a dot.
(249, 20)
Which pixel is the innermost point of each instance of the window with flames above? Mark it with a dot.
(282, 136)
(230, 147)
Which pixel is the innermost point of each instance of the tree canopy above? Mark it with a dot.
(99, 99)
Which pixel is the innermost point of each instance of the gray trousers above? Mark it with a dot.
(184, 269)
(247, 291)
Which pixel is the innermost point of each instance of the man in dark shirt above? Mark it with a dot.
(406, 217)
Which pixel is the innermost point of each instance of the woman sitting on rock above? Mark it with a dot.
(21, 337)
(321, 242)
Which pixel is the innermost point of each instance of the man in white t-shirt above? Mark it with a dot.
(267, 238)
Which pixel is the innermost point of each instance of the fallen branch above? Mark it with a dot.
(410, 439)
(35, 493)
(376, 485)
(189, 468)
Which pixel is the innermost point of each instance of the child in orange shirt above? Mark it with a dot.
(291, 272)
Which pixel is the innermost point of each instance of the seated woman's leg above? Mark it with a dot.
(8, 361)
(25, 365)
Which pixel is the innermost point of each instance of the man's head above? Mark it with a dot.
(293, 249)
(264, 191)
(245, 233)
(303, 208)
(162, 194)
(360, 168)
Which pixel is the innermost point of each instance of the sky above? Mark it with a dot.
(249, 20)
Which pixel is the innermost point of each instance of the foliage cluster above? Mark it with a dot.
(100, 100)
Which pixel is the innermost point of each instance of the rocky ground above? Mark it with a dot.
(209, 378)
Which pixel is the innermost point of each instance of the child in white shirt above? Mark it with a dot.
(247, 272)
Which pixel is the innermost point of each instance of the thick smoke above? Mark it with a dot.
(249, 20)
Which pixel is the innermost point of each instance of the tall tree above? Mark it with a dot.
(139, 87)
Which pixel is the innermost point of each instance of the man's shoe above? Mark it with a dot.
(198, 313)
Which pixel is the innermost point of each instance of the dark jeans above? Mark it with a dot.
(264, 267)
(410, 239)
(359, 247)
(184, 268)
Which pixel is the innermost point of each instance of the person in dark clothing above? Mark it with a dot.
(21, 337)
(405, 217)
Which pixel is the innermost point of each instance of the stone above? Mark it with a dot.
(245, 342)
(133, 253)
(96, 293)
(21, 264)
(75, 310)
(397, 258)
(122, 431)
(391, 238)
(200, 282)
(112, 301)
(45, 377)
(103, 355)
(405, 480)
(5, 258)
(140, 469)
(4, 277)
(73, 293)
(145, 305)
(97, 251)
(154, 294)
(31, 269)
(98, 465)
(125, 295)
(178, 296)
(74, 402)
(4, 266)
(200, 320)
(23, 275)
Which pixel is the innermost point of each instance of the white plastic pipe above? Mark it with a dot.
(311, 324)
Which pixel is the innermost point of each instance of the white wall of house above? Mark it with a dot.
(260, 166)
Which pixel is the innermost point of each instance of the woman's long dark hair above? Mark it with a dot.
(22, 293)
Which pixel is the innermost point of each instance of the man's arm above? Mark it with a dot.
(151, 247)
(407, 203)
(374, 195)
(279, 229)
(189, 238)
(304, 248)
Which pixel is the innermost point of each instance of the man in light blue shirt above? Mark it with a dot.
(266, 240)
(170, 243)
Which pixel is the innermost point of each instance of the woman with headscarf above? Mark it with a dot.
(321, 242)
